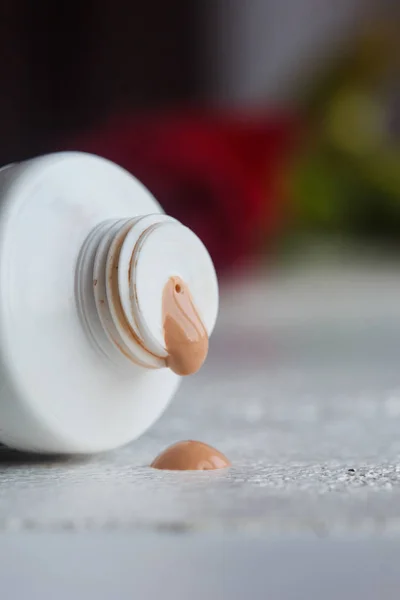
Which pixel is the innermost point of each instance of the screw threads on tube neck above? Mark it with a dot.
(106, 291)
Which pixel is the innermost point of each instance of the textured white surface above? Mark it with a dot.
(302, 386)
(150, 566)
(295, 399)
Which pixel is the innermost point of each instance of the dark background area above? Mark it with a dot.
(80, 76)
(66, 66)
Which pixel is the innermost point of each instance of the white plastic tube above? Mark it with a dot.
(82, 356)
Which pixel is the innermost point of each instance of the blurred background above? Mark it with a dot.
(267, 126)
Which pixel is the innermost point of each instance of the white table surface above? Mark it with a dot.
(302, 392)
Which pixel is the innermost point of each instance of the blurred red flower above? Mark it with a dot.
(217, 174)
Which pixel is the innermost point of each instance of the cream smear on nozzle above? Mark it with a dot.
(185, 336)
